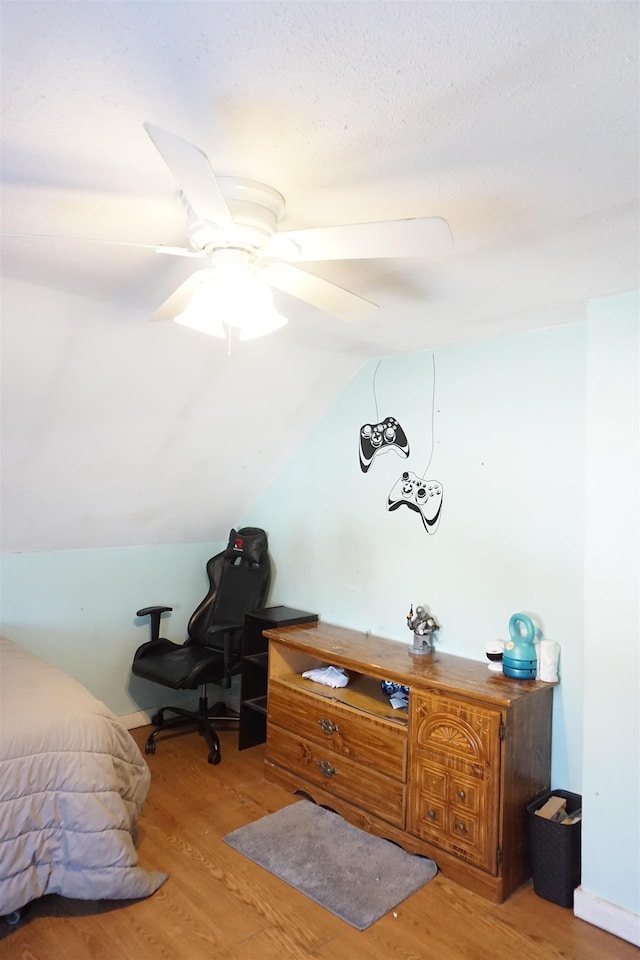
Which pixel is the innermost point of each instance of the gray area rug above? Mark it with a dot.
(355, 875)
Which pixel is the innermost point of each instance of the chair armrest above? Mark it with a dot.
(224, 628)
(155, 613)
(146, 611)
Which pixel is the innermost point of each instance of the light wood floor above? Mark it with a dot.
(217, 905)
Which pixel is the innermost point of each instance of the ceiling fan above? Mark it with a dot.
(233, 223)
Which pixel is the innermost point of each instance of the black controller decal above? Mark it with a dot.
(379, 437)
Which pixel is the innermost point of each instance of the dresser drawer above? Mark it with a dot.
(318, 764)
(379, 744)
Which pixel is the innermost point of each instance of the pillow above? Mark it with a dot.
(248, 543)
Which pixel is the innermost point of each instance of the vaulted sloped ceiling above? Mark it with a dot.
(516, 122)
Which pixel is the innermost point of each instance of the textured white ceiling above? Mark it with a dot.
(516, 122)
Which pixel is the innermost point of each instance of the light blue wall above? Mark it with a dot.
(536, 445)
(611, 781)
(76, 608)
(510, 452)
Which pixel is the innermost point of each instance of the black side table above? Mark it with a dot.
(255, 663)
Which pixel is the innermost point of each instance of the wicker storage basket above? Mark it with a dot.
(555, 850)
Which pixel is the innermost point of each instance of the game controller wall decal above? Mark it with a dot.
(423, 496)
(379, 437)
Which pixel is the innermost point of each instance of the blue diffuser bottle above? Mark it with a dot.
(519, 659)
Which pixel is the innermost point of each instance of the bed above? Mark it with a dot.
(72, 787)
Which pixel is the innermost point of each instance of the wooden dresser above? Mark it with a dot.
(450, 778)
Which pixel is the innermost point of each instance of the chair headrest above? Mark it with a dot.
(247, 543)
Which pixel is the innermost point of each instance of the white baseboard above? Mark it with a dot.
(607, 916)
(139, 719)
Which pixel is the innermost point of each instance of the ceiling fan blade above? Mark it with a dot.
(193, 174)
(319, 293)
(418, 237)
(156, 247)
(176, 303)
(180, 251)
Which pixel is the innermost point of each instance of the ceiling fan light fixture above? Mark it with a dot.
(234, 295)
(199, 316)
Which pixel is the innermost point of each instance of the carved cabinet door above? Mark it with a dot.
(454, 794)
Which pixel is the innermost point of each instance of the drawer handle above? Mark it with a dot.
(328, 727)
(431, 814)
(460, 827)
(462, 795)
(326, 768)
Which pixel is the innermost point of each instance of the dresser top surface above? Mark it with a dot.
(392, 660)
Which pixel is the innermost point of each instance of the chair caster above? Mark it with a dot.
(150, 746)
(214, 757)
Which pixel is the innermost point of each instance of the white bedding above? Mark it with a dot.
(72, 786)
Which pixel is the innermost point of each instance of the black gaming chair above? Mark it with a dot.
(239, 579)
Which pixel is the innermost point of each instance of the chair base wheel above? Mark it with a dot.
(150, 746)
(214, 757)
